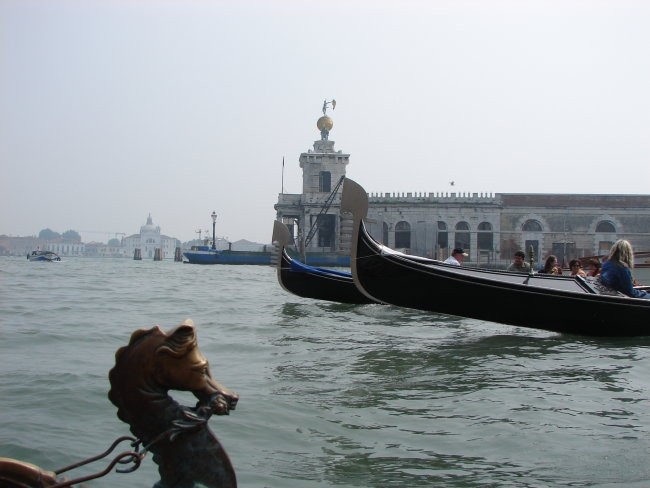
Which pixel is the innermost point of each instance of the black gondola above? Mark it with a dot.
(557, 303)
(310, 281)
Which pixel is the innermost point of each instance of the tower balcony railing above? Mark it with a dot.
(289, 199)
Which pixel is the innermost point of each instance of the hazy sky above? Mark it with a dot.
(111, 110)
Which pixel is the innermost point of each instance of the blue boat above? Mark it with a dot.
(47, 256)
(207, 255)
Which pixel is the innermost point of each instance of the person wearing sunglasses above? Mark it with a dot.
(575, 268)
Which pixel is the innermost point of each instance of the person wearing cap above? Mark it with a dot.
(518, 264)
(457, 256)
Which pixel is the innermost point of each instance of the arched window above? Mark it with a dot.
(532, 241)
(532, 226)
(403, 235)
(485, 237)
(461, 238)
(605, 226)
(484, 226)
(384, 234)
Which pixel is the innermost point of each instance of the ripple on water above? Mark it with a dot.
(331, 394)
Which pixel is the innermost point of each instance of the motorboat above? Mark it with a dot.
(39, 255)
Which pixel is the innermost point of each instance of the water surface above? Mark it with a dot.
(331, 395)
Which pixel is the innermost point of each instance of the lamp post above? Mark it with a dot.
(214, 221)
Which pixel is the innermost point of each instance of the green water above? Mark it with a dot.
(331, 395)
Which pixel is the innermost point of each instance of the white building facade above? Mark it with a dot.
(148, 240)
(67, 248)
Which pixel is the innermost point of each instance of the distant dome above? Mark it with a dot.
(325, 123)
(149, 227)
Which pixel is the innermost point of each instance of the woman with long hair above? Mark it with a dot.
(551, 266)
(616, 271)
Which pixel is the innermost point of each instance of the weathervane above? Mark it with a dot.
(326, 103)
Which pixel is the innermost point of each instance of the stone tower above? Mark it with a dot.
(316, 211)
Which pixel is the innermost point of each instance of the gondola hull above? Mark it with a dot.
(313, 282)
(310, 282)
(556, 303)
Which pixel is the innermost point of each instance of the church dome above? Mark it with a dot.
(148, 227)
(325, 123)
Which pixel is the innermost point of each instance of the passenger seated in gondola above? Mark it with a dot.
(616, 272)
(456, 258)
(551, 266)
(518, 264)
(575, 268)
(593, 267)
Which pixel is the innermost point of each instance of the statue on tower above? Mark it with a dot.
(325, 123)
(326, 103)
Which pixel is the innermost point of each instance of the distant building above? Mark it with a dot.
(245, 245)
(66, 248)
(101, 250)
(148, 240)
(490, 227)
(20, 246)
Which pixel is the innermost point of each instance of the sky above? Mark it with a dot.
(111, 110)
